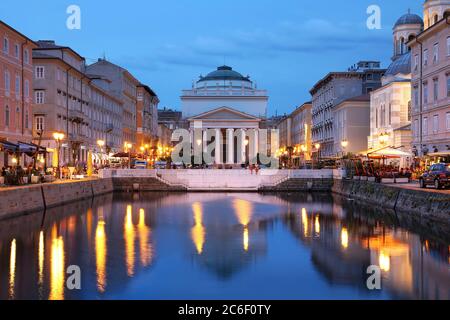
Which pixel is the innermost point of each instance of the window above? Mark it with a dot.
(17, 86)
(40, 97)
(448, 46)
(435, 52)
(435, 89)
(40, 73)
(27, 119)
(425, 126)
(425, 93)
(17, 117)
(416, 98)
(447, 120)
(435, 123)
(27, 88)
(416, 62)
(26, 57)
(425, 57)
(7, 116)
(5, 45)
(7, 82)
(16, 51)
(416, 128)
(390, 114)
(39, 123)
(409, 110)
(448, 86)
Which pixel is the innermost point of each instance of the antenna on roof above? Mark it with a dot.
(409, 10)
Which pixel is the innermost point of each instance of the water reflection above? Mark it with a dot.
(129, 235)
(248, 246)
(12, 269)
(101, 252)
(57, 270)
(198, 230)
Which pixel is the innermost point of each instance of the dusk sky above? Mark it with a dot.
(285, 46)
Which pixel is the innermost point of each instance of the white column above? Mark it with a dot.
(230, 146)
(218, 149)
(255, 147)
(243, 153)
(205, 140)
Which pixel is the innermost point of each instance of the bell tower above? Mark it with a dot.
(407, 26)
(435, 10)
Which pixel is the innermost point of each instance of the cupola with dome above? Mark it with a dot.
(224, 77)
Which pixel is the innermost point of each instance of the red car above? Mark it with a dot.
(438, 175)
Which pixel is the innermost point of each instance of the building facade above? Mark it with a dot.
(430, 56)
(224, 87)
(124, 86)
(61, 101)
(351, 125)
(146, 117)
(332, 90)
(67, 101)
(16, 96)
(390, 105)
(301, 130)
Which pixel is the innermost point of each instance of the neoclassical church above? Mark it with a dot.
(390, 105)
(224, 100)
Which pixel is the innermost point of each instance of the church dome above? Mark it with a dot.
(409, 18)
(401, 65)
(224, 73)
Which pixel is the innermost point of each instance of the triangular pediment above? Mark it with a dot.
(224, 113)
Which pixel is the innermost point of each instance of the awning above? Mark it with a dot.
(440, 154)
(389, 153)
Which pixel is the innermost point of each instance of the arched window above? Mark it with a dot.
(17, 118)
(402, 45)
(7, 82)
(435, 19)
(7, 116)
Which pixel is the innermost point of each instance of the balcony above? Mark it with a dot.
(76, 116)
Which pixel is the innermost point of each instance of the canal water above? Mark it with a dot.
(221, 246)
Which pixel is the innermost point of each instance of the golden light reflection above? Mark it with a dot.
(245, 240)
(198, 230)
(344, 238)
(317, 225)
(384, 261)
(145, 247)
(57, 269)
(305, 222)
(12, 269)
(41, 257)
(129, 241)
(244, 211)
(100, 255)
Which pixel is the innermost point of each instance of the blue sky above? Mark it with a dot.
(285, 46)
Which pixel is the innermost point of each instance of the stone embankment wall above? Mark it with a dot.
(19, 200)
(422, 204)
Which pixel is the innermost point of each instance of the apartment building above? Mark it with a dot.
(16, 81)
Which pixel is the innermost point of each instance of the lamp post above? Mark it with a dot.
(58, 136)
(317, 145)
(344, 144)
(101, 144)
(128, 150)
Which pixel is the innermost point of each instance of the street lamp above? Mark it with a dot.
(344, 144)
(101, 144)
(317, 145)
(58, 136)
(384, 137)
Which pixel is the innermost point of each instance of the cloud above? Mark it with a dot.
(311, 37)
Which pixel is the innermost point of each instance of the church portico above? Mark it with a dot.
(234, 134)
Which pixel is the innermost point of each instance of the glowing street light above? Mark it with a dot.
(58, 136)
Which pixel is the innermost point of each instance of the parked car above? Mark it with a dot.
(438, 175)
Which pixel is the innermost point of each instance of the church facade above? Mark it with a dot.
(230, 106)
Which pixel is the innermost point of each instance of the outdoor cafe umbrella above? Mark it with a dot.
(389, 153)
